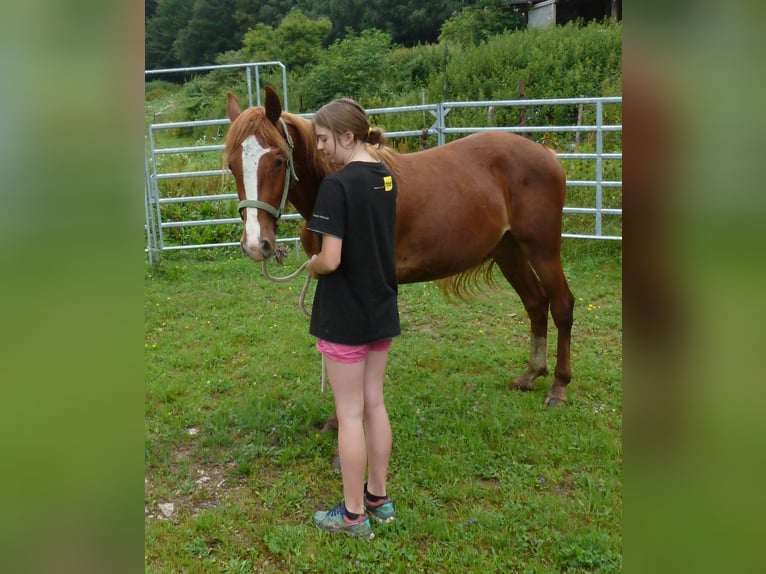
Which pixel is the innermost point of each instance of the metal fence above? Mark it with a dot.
(439, 128)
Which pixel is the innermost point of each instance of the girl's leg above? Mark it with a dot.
(377, 425)
(347, 382)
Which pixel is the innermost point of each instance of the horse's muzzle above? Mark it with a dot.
(267, 249)
(263, 250)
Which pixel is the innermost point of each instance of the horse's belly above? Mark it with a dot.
(447, 222)
(442, 256)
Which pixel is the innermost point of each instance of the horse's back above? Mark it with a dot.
(517, 156)
(486, 167)
(457, 201)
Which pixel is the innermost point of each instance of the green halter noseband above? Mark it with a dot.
(290, 176)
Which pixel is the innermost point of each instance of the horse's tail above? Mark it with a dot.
(466, 283)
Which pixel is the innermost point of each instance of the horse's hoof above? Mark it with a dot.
(329, 428)
(554, 401)
(521, 385)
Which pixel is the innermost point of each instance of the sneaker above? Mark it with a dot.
(382, 510)
(335, 520)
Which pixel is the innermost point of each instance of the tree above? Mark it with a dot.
(301, 39)
(417, 22)
(408, 22)
(249, 13)
(184, 32)
(352, 67)
(297, 41)
(150, 7)
(210, 31)
(259, 44)
(170, 18)
(475, 24)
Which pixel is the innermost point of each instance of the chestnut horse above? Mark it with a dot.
(487, 199)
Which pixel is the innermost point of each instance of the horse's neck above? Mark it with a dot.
(311, 170)
(304, 194)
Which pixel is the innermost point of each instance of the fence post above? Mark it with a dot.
(440, 123)
(599, 164)
(150, 231)
(249, 77)
(284, 88)
(522, 109)
(155, 191)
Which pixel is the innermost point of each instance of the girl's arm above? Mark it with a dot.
(328, 258)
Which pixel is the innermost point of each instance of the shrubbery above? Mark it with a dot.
(564, 61)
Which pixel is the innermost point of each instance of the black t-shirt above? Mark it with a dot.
(357, 303)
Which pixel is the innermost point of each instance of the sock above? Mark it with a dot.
(372, 497)
(349, 515)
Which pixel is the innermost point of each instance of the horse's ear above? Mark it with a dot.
(272, 105)
(232, 106)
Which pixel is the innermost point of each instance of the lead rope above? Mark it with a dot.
(286, 278)
(301, 302)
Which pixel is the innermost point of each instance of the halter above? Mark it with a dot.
(290, 176)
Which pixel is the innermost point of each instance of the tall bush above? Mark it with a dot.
(564, 61)
(352, 67)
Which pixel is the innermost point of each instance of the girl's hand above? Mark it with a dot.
(327, 260)
(310, 267)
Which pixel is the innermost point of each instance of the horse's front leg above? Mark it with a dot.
(310, 241)
(332, 426)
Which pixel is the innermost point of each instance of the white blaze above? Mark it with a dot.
(252, 152)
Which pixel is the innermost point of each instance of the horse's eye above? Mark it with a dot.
(279, 162)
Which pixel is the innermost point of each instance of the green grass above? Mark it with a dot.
(485, 479)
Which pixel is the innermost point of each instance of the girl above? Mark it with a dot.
(355, 311)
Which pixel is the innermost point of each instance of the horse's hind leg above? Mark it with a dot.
(516, 269)
(547, 264)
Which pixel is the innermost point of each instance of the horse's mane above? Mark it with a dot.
(307, 140)
(305, 130)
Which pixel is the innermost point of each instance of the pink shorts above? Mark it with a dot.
(350, 353)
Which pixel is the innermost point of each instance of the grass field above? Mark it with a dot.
(485, 479)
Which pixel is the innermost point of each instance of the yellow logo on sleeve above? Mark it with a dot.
(388, 183)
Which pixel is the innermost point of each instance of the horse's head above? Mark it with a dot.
(260, 159)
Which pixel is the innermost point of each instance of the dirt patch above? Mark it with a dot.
(207, 486)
